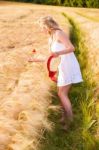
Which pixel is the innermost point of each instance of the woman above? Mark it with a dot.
(68, 69)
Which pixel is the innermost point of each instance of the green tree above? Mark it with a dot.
(70, 3)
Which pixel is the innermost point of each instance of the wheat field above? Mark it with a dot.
(25, 96)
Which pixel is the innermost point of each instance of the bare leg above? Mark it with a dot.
(63, 113)
(67, 106)
(65, 102)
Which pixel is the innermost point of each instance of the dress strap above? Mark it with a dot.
(51, 39)
(52, 35)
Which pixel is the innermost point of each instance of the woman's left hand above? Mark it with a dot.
(54, 54)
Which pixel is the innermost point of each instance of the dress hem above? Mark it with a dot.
(70, 83)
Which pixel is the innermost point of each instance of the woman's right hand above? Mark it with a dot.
(30, 59)
(36, 60)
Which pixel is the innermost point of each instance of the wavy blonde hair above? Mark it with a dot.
(49, 22)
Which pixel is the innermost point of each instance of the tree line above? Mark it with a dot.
(70, 3)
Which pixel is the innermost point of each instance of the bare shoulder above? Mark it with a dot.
(61, 34)
(63, 38)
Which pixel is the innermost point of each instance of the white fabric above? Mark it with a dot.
(69, 68)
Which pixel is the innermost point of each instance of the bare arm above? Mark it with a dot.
(44, 59)
(62, 37)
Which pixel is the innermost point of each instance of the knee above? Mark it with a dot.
(61, 93)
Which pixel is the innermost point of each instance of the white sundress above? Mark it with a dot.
(68, 69)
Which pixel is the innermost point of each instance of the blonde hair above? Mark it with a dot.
(49, 22)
